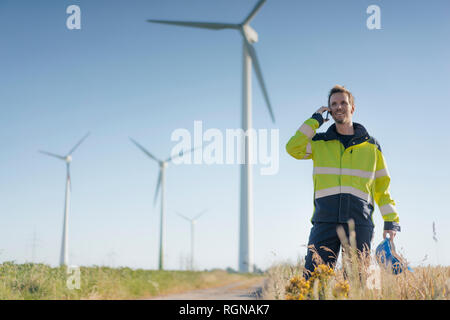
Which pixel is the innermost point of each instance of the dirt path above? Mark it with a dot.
(243, 290)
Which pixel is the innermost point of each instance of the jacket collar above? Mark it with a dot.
(360, 132)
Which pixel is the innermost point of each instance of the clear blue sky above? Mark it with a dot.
(119, 76)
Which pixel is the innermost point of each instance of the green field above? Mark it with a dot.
(39, 281)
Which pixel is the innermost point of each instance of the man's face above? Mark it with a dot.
(340, 107)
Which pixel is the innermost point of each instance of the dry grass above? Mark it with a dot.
(358, 277)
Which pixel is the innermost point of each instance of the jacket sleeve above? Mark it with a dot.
(382, 195)
(299, 146)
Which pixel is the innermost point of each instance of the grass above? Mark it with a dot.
(357, 278)
(425, 283)
(41, 282)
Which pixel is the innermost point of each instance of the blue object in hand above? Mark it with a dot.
(386, 255)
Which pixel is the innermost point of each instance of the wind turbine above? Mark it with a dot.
(192, 222)
(249, 35)
(64, 258)
(161, 185)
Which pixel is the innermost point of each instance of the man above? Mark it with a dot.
(349, 174)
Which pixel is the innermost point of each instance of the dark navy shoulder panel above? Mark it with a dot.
(375, 142)
(320, 136)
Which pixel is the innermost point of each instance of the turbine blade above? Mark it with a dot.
(259, 75)
(145, 150)
(254, 11)
(182, 216)
(53, 155)
(78, 144)
(158, 186)
(200, 214)
(203, 25)
(182, 153)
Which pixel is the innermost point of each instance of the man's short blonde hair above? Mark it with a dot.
(337, 88)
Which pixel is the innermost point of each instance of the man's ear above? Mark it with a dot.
(353, 109)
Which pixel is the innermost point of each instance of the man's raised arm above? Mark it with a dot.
(299, 146)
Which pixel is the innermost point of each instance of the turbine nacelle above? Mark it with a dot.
(68, 159)
(249, 33)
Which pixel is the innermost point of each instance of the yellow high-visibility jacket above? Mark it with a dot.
(346, 180)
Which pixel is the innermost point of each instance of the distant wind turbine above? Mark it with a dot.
(436, 241)
(246, 257)
(434, 233)
(64, 258)
(192, 221)
(161, 185)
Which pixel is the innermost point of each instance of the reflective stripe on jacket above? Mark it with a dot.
(347, 181)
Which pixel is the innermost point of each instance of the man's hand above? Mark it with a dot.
(322, 110)
(391, 234)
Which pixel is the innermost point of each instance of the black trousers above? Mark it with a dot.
(324, 234)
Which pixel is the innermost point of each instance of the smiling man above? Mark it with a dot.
(350, 174)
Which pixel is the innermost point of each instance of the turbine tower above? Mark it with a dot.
(192, 222)
(249, 35)
(161, 185)
(64, 258)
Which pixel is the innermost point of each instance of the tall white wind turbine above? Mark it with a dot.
(64, 258)
(249, 35)
(161, 185)
(192, 222)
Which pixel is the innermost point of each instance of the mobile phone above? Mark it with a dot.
(327, 118)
